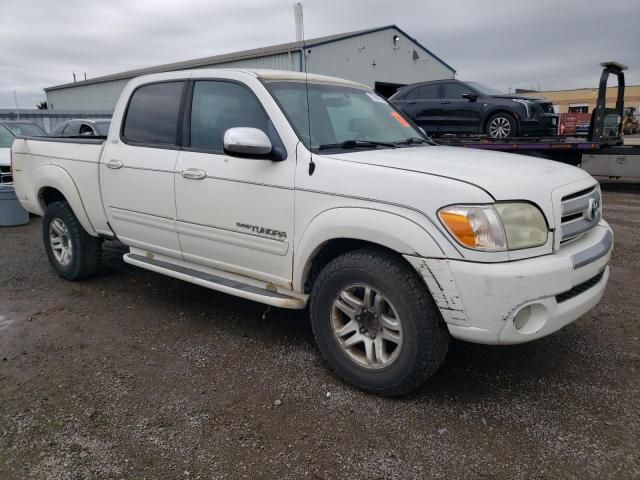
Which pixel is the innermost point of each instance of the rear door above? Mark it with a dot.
(233, 213)
(422, 105)
(459, 114)
(137, 169)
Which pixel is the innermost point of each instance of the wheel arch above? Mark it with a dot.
(57, 185)
(339, 230)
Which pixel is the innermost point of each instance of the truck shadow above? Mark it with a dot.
(470, 371)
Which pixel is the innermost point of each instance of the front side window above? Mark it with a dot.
(6, 137)
(341, 114)
(454, 91)
(103, 127)
(483, 89)
(218, 106)
(152, 116)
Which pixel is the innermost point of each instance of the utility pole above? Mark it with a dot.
(15, 97)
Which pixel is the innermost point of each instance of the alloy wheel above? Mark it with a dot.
(60, 241)
(500, 127)
(366, 326)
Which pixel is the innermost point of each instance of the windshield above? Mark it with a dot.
(103, 127)
(28, 129)
(343, 117)
(483, 89)
(6, 137)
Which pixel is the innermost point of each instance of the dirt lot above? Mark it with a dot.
(135, 375)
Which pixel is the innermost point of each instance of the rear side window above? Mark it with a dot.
(72, 129)
(6, 137)
(86, 129)
(218, 106)
(425, 92)
(57, 131)
(152, 116)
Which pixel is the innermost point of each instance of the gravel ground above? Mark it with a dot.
(135, 375)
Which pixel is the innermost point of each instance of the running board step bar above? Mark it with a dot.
(216, 282)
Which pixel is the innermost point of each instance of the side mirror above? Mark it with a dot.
(472, 97)
(245, 141)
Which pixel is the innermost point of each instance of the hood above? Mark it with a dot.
(522, 97)
(505, 176)
(5, 157)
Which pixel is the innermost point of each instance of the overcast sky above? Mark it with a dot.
(517, 43)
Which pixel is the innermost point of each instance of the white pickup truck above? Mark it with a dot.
(229, 179)
(6, 140)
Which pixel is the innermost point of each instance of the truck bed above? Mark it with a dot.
(71, 162)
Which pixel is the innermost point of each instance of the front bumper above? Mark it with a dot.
(519, 301)
(541, 125)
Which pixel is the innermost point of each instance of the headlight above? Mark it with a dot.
(494, 228)
(528, 106)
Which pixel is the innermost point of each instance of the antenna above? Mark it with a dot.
(15, 97)
(297, 10)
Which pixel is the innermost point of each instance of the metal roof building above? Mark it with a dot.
(384, 58)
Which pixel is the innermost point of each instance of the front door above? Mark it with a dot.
(233, 213)
(137, 170)
(459, 114)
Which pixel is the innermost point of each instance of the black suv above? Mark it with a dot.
(452, 106)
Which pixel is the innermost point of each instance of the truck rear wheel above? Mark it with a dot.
(376, 324)
(72, 252)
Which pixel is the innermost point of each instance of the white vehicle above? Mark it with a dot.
(218, 177)
(6, 139)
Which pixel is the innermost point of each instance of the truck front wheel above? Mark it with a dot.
(376, 324)
(72, 252)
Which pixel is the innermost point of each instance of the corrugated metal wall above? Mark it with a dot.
(374, 57)
(48, 119)
(95, 96)
(367, 58)
(104, 96)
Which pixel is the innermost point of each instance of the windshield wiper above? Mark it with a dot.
(357, 144)
(412, 140)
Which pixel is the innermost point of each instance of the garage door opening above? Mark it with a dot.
(387, 89)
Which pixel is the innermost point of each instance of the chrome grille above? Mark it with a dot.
(547, 107)
(581, 211)
(5, 175)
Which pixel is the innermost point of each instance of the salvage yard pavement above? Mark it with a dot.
(136, 375)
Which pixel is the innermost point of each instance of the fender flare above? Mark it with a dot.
(54, 176)
(390, 230)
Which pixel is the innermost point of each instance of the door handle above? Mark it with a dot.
(193, 173)
(445, 102)
(411, 103)
(114, 164)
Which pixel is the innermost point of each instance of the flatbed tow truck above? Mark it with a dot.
(602, 153)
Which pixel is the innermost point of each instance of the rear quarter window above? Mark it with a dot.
(152, 114)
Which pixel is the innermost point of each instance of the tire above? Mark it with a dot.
(397, 290)
(61, 228)
(501, 125)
